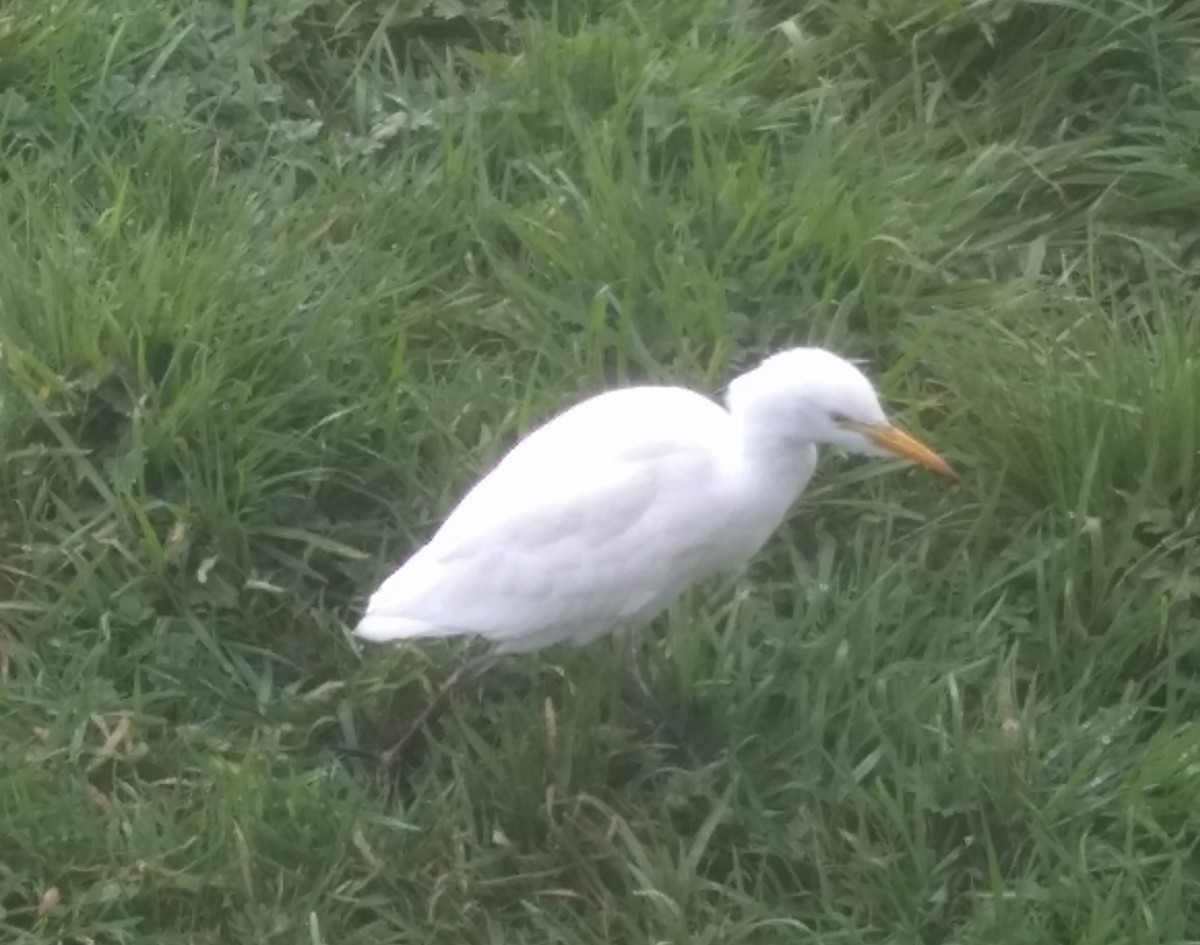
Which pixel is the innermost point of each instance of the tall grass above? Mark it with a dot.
(277, 282)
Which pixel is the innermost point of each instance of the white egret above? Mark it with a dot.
(598, 520)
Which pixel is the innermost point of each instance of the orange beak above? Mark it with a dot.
(901, 444)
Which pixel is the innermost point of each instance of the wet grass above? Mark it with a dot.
(277, 282)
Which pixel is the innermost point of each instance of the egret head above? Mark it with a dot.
(810, 395)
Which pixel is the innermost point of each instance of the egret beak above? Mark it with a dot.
(896, 441)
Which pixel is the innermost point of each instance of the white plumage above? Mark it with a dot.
(600, 518)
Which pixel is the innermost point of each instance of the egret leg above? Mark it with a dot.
(467, 676)
(650, 703)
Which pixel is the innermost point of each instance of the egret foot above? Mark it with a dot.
(463, 679)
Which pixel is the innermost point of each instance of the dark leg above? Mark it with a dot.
(468, 675)
(650, 703)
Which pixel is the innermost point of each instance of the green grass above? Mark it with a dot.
(278, 281)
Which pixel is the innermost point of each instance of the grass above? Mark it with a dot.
(277, 281)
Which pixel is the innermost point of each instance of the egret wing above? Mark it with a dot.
(558, 543)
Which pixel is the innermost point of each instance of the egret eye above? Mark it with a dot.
(840, 419)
